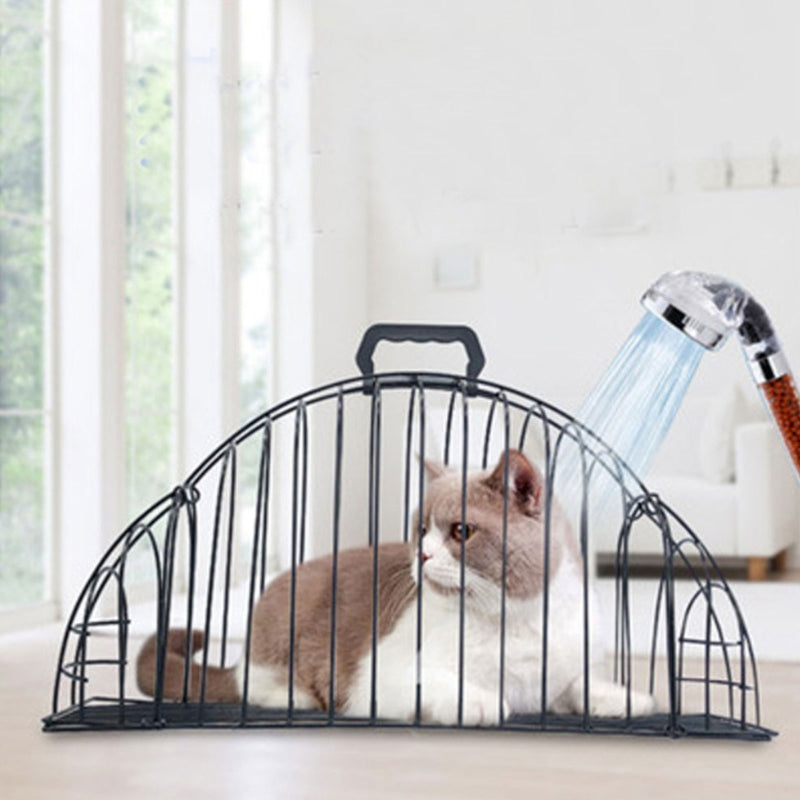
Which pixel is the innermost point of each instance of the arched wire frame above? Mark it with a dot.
(185, 560)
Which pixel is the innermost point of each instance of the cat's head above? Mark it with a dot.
(482, 533)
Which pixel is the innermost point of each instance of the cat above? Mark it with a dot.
(400, 571)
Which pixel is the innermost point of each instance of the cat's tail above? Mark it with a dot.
(220, 683)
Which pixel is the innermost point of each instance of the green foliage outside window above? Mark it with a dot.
(150, 263)
(150, 297)
(21, 303)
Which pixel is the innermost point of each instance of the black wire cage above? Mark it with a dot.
(285, 499)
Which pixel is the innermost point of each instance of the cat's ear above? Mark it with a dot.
(434, 469)
(524, 479)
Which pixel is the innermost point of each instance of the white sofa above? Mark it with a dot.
(747, 509)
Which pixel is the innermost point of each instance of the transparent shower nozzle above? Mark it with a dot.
(708, 308)
(701, 306)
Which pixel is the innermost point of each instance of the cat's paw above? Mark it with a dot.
(611, 700)
(480, 708)
(642, 705)
(483, 708)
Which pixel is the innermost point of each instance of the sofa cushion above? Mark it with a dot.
(726, 411)
(709, 509)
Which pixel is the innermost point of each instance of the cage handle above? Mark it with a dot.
(444, 334)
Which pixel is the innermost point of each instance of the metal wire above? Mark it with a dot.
(203, 518)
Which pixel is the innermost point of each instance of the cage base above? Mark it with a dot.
(101, 713)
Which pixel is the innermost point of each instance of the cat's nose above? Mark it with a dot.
(425, 556)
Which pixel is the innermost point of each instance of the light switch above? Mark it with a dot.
(456, 267)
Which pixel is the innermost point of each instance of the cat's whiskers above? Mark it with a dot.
(481, 595)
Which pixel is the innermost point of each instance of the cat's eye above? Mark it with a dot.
(461, 532)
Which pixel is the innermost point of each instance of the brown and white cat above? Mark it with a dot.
(439, 569)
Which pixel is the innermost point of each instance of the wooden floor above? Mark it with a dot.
(376, 764)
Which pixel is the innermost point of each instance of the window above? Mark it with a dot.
(256, 234)
(196, 194)
(153, 94)
(151, 251)
(24, 412)
(255, 242)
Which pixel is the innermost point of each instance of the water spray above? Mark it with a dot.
(707, 309)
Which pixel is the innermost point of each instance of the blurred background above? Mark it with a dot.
(203, 204)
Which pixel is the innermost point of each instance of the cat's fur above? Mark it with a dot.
(399, 571)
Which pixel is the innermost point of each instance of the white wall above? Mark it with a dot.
(572, 149)
(339, 197)
(518, 129)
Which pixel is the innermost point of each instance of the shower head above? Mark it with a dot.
(707, 308)
(704, 307)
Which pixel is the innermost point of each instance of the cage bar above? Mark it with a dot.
(407, 417)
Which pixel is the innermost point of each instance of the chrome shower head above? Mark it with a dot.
(704, 307)
(707, 308)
